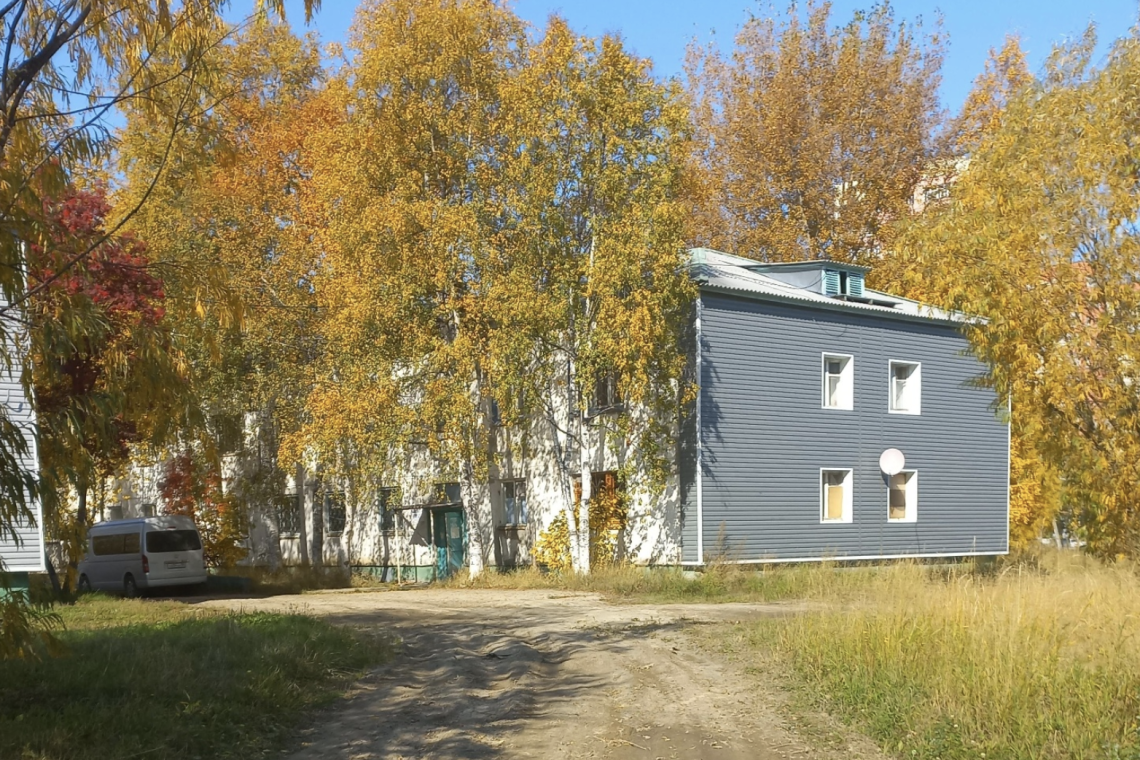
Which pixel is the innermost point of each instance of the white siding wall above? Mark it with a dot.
(28, 554)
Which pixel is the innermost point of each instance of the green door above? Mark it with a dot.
(449, 535)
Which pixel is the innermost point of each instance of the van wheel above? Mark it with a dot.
(130, 588)
(84, 585)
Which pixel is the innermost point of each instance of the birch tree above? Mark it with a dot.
(811, 137)
(499, 220)
(1040, 239)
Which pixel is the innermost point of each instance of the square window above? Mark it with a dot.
(514, 502)
(902, 497)
(906, 387)
(835, 496)
(838, 381)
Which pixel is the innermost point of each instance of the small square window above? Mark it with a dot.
(906, 387)
(514, 502)
(902, 497)
(838, 381)
(835, 496)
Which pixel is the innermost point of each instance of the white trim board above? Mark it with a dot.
(700, 445)
(860, 558)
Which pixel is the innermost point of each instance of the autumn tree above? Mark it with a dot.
(1004, 77)
(1039, 239)
(191, 485)
(810, 138)
(593, 276)
(224, 227)
(499, 221)
(66, 65)
(113, 380)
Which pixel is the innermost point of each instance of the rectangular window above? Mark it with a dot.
(906, 387)
(838, 381)
(607, 395)
(447, 493)
(115, 543)
(514, 502)
(290, 517)
(835, 496)
(229, 433)
(169, 541)
(388, 500)
(902, 497)
(336, 510)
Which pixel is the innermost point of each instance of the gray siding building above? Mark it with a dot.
(806, 380)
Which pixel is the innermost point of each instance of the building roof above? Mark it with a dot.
(719, 271)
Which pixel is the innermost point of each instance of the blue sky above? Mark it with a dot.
(660, 29)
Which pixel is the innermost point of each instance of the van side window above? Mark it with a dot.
(115, 543)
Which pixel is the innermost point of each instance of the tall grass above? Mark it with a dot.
(717, 583)
(1030, 662)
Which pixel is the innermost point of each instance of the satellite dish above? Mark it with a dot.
(892, 461)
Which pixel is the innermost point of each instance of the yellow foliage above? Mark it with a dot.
(1040, 240)
(552, 549)
(809, 136)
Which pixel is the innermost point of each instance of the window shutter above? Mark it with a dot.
(855, 285)
(830, 282)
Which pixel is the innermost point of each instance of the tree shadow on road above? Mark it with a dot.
(471, 689)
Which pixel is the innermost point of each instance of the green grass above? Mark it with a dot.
(157, 679)
(1026, 663)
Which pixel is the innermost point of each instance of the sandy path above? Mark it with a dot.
(540, 674)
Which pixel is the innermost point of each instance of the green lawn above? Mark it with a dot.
(159, 679)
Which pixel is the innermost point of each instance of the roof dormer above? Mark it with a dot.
(829, 278)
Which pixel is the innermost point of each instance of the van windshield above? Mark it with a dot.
(162, 541)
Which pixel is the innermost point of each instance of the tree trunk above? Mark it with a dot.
(51, 573)
(580, 551)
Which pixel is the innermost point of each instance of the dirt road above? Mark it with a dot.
(540, 674)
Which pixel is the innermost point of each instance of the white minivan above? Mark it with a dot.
(149, 552)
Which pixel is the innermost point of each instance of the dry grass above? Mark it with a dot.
(1037, 660)
(1035, 657)
(719, 583)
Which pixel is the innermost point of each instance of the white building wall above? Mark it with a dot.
(652, 535)
(26, 553)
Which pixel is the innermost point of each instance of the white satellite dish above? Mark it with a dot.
(892, 461)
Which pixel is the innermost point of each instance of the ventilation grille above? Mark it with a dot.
(830, 282)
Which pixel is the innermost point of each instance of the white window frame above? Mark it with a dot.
(848, 496)
(514, 483)
(915, 378)
(847, 372)
(911, 498)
